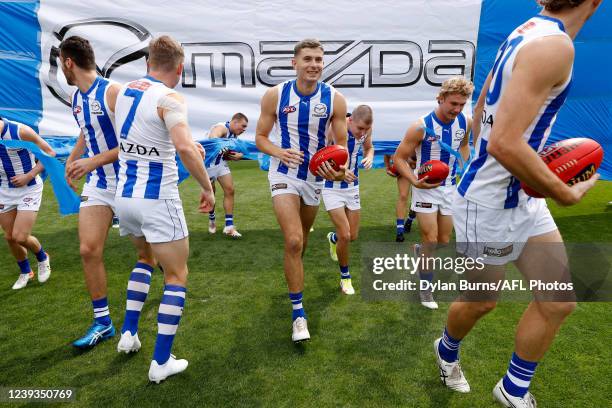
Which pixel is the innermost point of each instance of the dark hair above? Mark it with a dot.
(240, 116)
(557, 5)
(79, 50)
(307, 43)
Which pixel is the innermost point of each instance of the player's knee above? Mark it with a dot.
(294, 244)
(20, 237)
(556, 310)
(430, 238)
(89, 251)
(354, 235)
(229, 191)
(403, 198)
(482, 308)
(344, 236)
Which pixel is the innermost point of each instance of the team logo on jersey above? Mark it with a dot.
(459, 134)
(289, 109)
(319, 110)
(134, 148)
(77, 109)
(95, 108)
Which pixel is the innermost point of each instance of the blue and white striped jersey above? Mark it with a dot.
(147, 156)
(486, 181)
(450, 134)
(219, 160)
(354, 146)
(301, 123)
(97, 122)
(14, 162)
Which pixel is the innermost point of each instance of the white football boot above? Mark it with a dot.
(44, 270)
(450, 373)
(158, 373)
(231, 232)
(23, 280)
(128, 343)
(212, 226)
(347, 287)
(507, 400)
(300, 330)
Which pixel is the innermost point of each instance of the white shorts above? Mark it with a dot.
(220, 170)
(341, 197)
(433, 200)
(26, 198)
(93, 196)
(157, 220)
(309, 191)
(498, 235)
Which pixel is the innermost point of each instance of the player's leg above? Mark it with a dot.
(308, 214)
(172, 256)
(403, 195)
(287, 211)
(94, 222)
(22, 229)
(137, 292)
(212, 216)
(227, 184)
(543, 258)
(7, 219)
(428, 224)
(353, 216)
(342, 237)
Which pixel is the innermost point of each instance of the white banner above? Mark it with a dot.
(388, 54)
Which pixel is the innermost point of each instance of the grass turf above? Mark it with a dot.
(236, 327)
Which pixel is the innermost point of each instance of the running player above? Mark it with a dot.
(341, 198)
(93, 107)
(403, 224)
(301, 109)
(21, 191)
(516, 109)
(220, 171)
(447, 133)
(151, 118)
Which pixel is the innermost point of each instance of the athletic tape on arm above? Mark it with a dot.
(175, 112)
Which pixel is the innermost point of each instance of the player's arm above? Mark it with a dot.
(539, 66)
(368, 151)
(464, 146)
(27, 134)
(77, 151)
(340, 132)
(479, 109)
(217, 132)
(405, 150)
(173, 111)
(111, 96)
(79, 167)
(290, 157)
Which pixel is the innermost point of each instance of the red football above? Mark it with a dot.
(392, 169)
(336, 155)
(436, 170)
(572, 160)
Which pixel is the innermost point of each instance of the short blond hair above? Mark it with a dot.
(456, 85)
(307, 43)
(363, 113)
(165, 53)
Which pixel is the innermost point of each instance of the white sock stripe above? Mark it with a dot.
(140, 270)
(517, 381)
(170, 309)
(138, 286)
(298, 306)
(450, 346)
(172, 293)
(101, 309)
(167, 329)
(134, 305)
(521, 370)
(101, 314)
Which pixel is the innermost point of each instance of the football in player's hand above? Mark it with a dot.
(228, 154)
(336, 155)
(572, 160)
(435, 170)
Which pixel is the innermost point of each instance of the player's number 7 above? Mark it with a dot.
(127, 125)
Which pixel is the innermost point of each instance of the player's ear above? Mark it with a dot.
(293, 63)
(179, 69)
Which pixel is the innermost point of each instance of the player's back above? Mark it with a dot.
(147, 156)
(97, 122)
(486, 181)
(14, 162)
(301, 124)
(438, 139)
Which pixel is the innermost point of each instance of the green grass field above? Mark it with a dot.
(236, 327)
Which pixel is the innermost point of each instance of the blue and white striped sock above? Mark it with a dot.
(344, 272)
(518, 377)
(101, 312)
(399, 226)
(41, 255)
(296, 303)
(229, 220)
(428, 276)
(168, 318)
(24, 266)
(448, 347)
(211, 215)
(137, 291)
(333, 238)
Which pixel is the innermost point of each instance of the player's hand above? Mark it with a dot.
(71, 184)
(78, 168)
(367, 163)
(349, 176)
(291, 158)
(327, 171)
(207, 201)
(577, 192)
(21, 180)
(232, 155)
(390, 173)
(423, 184)
(201, 150)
